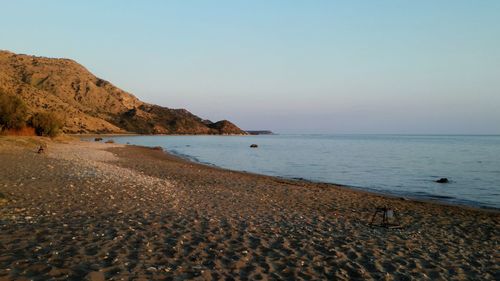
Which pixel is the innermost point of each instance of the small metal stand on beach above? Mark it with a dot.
(389, 217)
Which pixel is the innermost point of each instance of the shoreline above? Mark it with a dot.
(363, 190)
(406, 197)
(124, 211)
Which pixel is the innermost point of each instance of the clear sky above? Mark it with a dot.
(289, 66)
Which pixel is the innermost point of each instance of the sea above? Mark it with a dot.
(399, 165)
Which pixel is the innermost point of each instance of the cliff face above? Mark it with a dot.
(92, 105)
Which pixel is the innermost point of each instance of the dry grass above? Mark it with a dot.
(26, 131)
(33, 141)
(22, 141)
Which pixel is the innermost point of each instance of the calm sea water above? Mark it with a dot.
(403, 165)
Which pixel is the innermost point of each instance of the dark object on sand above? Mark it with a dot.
(41, 150)
(109, 141)
(98, 139)
(254, 146)
(157, 148)
(443, 180)
(389, 217)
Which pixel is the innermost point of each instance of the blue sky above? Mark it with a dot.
(289, 66)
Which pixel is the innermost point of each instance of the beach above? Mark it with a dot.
(96, 211)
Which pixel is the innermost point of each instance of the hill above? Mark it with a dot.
(92, 105)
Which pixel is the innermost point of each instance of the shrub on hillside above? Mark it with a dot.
(47, 123)
(13, 112)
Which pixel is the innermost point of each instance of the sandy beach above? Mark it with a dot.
(95, 211)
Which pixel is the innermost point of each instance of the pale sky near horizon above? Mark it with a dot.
(289, 66)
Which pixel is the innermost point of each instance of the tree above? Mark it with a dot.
(47, 123)
(13, 112)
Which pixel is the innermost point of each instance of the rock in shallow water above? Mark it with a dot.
(442, 180)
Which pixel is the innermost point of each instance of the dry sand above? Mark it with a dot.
(106, 211)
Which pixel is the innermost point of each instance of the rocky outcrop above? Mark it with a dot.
(92, 105)
(225, 127)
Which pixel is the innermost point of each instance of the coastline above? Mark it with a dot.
(430, 198)
(257, 226)
(335, 185)
(110, 135)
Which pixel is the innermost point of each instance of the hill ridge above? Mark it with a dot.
(91, 104)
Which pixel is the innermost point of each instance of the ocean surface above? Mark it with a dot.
(401, 165)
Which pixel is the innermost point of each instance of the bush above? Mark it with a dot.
(47, 123)
(13, 112)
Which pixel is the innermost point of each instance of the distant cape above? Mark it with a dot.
(92, 105)
(260, 132)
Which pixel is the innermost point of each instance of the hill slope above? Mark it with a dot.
(93, 105)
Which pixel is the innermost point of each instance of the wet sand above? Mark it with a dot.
(86, 210)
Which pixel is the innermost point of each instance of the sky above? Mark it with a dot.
(396, 67)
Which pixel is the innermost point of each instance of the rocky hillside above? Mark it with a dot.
(92, 105)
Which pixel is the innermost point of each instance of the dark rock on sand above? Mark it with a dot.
(40, 149)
